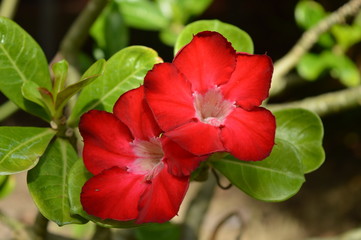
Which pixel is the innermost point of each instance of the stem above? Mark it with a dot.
(307, 40)
(102, 233)
(197, 209)
(8, 8)
(40, 227)
(78, 32)
(18, 228)
(7, 109)
(327, 103)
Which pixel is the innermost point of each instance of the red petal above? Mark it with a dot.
(162, 200)
(207, 61)
(180, 162)
(113, 194)
(250, 82)
(169, 96)
(106, 141)
(249, 135)
(132, 109)
(197, 138)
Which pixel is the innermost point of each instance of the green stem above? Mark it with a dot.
(307, 40)
(102, 233)
(7, 109)
(197, 209)
(327, 103)
(40, 227)
(8, 8)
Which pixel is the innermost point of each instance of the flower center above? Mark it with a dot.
(149, 158)
(211, 107)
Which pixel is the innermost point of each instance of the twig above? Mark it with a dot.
(327, 103)
(79, 30)
(197, 209)
(223, 221)
(307, 40)
(218, 180)
(8, 8)
(7, 109)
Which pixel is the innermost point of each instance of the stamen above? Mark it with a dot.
(212, 108)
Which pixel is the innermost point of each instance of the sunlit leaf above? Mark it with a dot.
(298, 150)
(21, 147)
(21, 60)
(48, 185)
(240, 40)
(78, 175)
(60, 71)
(124, 71)
(142, 14)
(346, 35)
(276, 178)
(311, 66)
(95, 71)
(304, 131)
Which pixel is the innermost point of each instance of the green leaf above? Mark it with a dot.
(342, 68)
(195, 7)
(124, 71)
(303, 130)
(240, 40)
(164, 231)
(60, 70)
(21, 147)
(7, 185)
(309, 13)
(311, 66)
(110, 31)
(276, 178)
(142, 14)
(346, 35)
(95, 71)
(48, 185)
(78, 175)
(21, 60)
(32, 92)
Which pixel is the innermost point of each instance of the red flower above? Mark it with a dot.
(139, 175)
(207, 100)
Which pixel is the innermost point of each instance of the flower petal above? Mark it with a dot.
(249, 135)
(113, 194)
(207, 61)
(106, 141)
(169, 96)
(162, 200)
(250, 82)
(180, 162)
(197, 137)
(132, 109)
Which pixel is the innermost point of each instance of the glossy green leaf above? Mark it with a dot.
(95, 71)
(21, 147)
(32, 92)
(142, 14)
(276, 178)
(7, 185)
(78, 175)
(60, 70)
(48, 185)
(21, 60)
(240, 40)
(303, 130)
(124, 71)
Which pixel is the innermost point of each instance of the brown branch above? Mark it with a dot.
(327, 103)
(307, 40)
